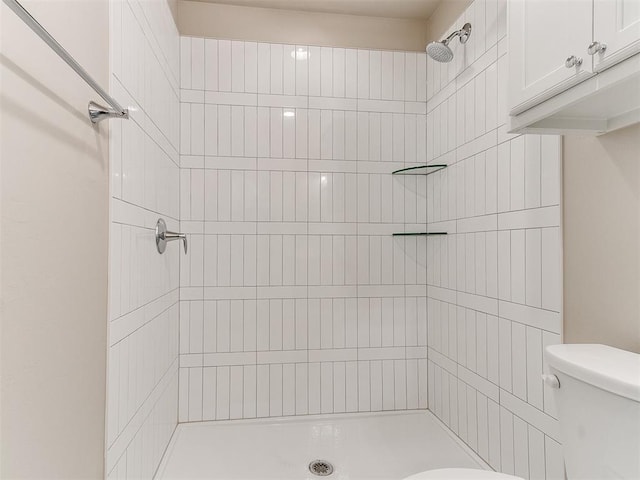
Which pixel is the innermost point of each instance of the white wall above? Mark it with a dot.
(54, 218)
(143, 291)
(495, 283)
(295, 298)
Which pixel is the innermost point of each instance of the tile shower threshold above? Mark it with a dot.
(385, 445)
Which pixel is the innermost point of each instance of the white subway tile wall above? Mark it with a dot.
(142, 388)
(295, 299)
(494, 283)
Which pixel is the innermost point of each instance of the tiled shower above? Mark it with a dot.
(294, 297)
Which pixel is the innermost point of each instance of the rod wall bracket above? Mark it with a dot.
(98, 112)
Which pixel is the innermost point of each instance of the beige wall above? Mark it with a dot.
(602, 239)
(54, 230)
(444, 17)
(286, 26)
(256, 24)
(173, 7)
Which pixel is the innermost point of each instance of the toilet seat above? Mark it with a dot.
(461, 474)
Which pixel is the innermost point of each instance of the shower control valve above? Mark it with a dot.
(573, 61)
(596, 47)
(163, 236)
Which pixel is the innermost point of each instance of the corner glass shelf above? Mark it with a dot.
(420, 170)
(419, 234)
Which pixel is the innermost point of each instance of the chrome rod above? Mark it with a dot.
(39, 30)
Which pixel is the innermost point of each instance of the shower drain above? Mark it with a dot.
(321, 468)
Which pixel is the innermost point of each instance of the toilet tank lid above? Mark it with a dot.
(608, 368)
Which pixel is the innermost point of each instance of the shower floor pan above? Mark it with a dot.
(358, 446)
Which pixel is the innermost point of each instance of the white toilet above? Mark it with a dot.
(597, 393)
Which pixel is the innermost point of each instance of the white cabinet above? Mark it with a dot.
(616, 24)
(573, 65)
(543, 36)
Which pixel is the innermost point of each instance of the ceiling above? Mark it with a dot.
(414, 9)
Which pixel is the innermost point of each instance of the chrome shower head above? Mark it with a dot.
(441, 52)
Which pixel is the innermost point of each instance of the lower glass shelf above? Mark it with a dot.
(416, 234)
(420, 170)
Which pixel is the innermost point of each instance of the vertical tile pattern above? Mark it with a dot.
(146, 75)
(289, 203)
(494, 283)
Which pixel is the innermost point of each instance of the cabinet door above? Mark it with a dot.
(543, 35)
(616, 23)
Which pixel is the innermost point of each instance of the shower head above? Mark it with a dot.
(441, 52)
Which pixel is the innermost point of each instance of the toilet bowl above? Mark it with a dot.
(597, 393)
(461, 474)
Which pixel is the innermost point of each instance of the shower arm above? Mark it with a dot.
(455, 34)
(463, 33)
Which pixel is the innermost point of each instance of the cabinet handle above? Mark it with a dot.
(573, 61)
(596, 47)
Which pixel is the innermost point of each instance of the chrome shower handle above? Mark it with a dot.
(163, 236)
(573, 61)
(169, 236)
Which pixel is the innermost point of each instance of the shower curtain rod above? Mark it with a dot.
(96, 112)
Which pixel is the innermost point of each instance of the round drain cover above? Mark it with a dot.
(321, 468)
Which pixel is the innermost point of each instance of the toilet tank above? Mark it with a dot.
(598, 404)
